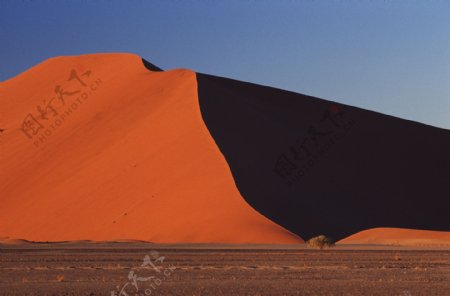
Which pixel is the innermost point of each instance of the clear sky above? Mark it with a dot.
(388, 56)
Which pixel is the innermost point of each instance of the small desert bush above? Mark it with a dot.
(320, 242)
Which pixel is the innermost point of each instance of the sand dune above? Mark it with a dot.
(97, 147)
(104, 147)
(398, 236)
(319, 167)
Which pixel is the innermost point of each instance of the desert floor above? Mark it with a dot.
(135, 268)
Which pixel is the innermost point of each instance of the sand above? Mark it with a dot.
(99, 269)
(128, 157)
(398, 236)
(115, 152)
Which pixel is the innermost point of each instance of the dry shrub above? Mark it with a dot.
(320, 242)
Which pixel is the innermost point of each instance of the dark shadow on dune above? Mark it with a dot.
(150, 66)
(319, 167)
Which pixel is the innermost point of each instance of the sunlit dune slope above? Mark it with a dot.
(399, 236)
(97, 147)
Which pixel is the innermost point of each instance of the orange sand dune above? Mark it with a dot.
(96, 147)
(398, 236)
(11, 241)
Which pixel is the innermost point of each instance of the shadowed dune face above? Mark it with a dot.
(97, 147)
(109, 147)
(318, 167)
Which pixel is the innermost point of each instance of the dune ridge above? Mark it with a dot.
(115, 151)
(399, 236)
(108, 147)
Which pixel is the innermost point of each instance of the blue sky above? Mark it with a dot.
(388, 56)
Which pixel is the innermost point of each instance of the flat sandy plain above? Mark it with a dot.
(135, 268)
